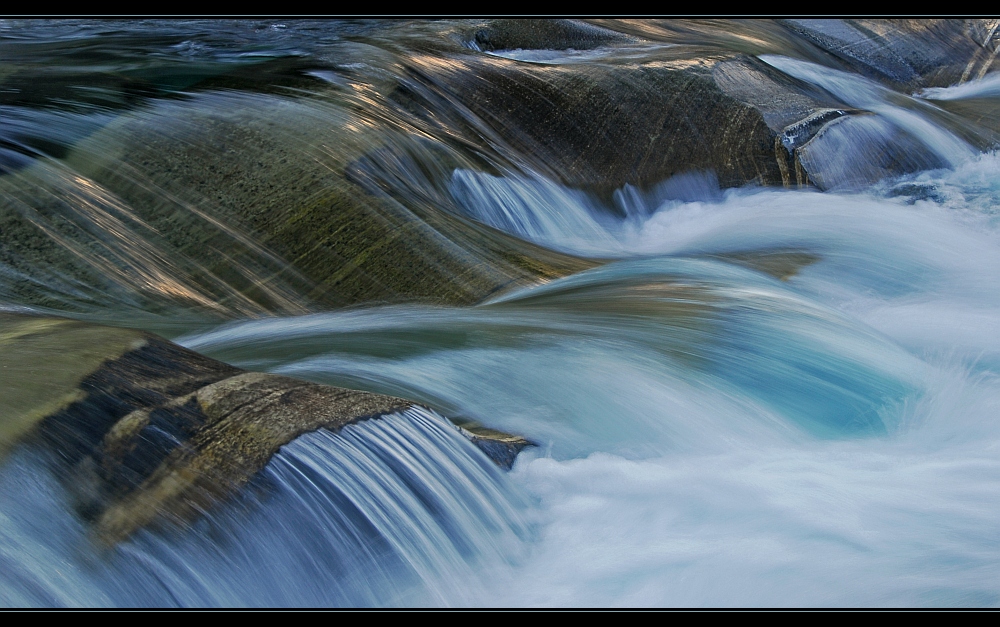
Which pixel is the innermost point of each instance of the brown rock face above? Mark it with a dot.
(599, 127)
(146, 430)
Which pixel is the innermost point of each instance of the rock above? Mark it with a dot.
(852, 152)
(232, 429)
(601, 126)
(43, 361)
(501, 447)
(144, 431)
(981, 111)
(241, 199)
(905, 54)
(788, 105)
(542, 109)
(236, 205)
(782, 264)
(541, 34)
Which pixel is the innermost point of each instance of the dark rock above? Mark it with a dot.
(501, 447)
(142, 430)
(543, 34)
(598, 126)
(903, 53)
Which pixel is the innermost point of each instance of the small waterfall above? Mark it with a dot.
(533, 208)
(402, 510)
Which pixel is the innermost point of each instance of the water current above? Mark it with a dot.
(760, 397)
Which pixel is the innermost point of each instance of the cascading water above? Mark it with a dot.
(760, 397)
(408, 515)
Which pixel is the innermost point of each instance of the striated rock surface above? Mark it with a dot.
(906, 54)
(600, 126)
(242, 205)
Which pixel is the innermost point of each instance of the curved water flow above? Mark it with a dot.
(986, 87)
(675, 399)
(753, 396)
(865, 94)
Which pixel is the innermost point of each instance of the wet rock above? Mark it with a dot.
(539, 34)
(239, 205)
(787, 104)
(981, 111)
(782, 264)
(601, 126)
(233, 202)
(224, 433)
(144, 431)
(43, 361)
(852, 152)
(795, 110)
(501, 447)
(903, 53)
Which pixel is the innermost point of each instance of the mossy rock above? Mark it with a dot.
(142, 430)
(44, 361)
(239, 205)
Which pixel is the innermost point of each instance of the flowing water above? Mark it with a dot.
(763, 397)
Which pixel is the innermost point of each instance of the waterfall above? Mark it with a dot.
(398, 510)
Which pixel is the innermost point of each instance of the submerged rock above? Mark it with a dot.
(241, 205)
(782, 264)
(536, 34)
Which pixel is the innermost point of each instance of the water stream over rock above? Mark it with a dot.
(719, 298)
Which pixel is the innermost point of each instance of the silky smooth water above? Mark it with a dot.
(764, 397)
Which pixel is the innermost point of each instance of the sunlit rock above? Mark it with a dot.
(600, 126)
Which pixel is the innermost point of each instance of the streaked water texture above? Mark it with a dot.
(754, 396)
(408, 514)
